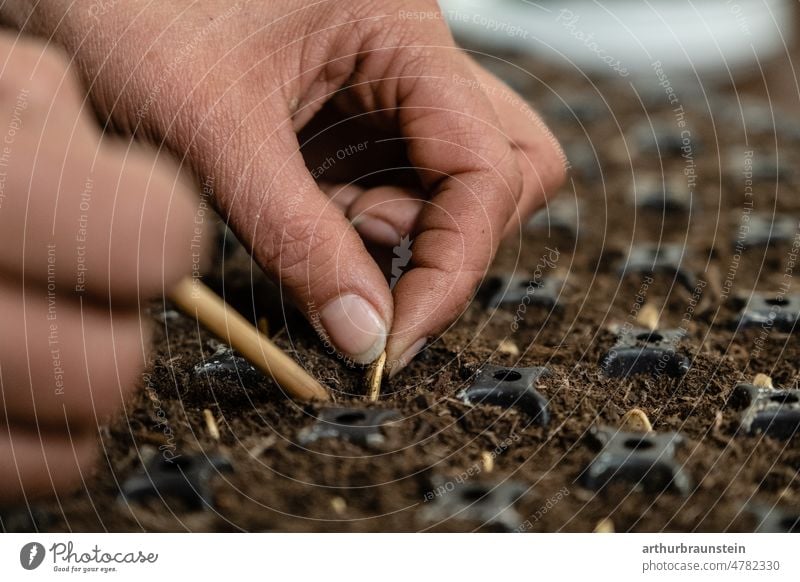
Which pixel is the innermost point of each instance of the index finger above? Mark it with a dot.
(455, 141)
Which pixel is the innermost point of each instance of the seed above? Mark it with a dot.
(635, 420)
(762, 381)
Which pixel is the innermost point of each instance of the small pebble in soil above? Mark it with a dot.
(515, 290)
(644, 461)
(644, 351)
(766, 310)
(489, 505)
(165, 315)
(765, 230)
(648, 260)
(509, 387)
(362, 426)
(666, 139)
(226, 365)
(773, 519)
(775, 413)
(186, 478)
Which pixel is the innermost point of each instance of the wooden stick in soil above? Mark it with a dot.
(197, 300)
(375, 377)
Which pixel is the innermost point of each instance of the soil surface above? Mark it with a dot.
(428, 472)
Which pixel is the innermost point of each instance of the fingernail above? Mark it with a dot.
(406, 358)
(355, 328)
(376, 230)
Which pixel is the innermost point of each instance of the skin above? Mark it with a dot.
(253, 98)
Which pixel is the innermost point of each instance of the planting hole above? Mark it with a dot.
(176, 463)
(791, 524)
(777, 301)
(784, 398)
(507, 375)
(351, 417)
(473, 494)
(638, 444)
(650, 337)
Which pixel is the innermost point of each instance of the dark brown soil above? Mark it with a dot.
(279, 485)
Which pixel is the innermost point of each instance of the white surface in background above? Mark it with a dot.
(706, 35)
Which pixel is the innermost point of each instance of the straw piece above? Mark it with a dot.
(375, 377)
(488, 461)
(339, 505)
(763, 381)
(508, 347)
(197, 300)
(635, 420)
(605, 525)
(211, 424)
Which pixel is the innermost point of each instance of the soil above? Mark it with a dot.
(277, 484)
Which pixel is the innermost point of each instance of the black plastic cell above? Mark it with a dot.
(514, 290)
(362, 426)
(226, 365)
(768, 411)
(666, 259)
(770, 170)
(666, 139)
(561, 217)
(583, 160)
(766, 230)
(780, 312)
(583, 110)
(772, 519)
(485, 504)
(644, 461)
(762, 167)
(642, 351)
(186, 478)
(509, 387)
(662, 195)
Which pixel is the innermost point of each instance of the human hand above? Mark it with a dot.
(230, 85)
(89, 228)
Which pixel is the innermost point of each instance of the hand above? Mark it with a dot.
(229, 85)
(88, 228)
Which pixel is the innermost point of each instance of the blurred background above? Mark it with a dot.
(697, 42)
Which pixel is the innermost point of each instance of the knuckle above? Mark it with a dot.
(302, 239)
(553, 170)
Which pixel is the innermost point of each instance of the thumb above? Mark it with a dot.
(304, 241)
